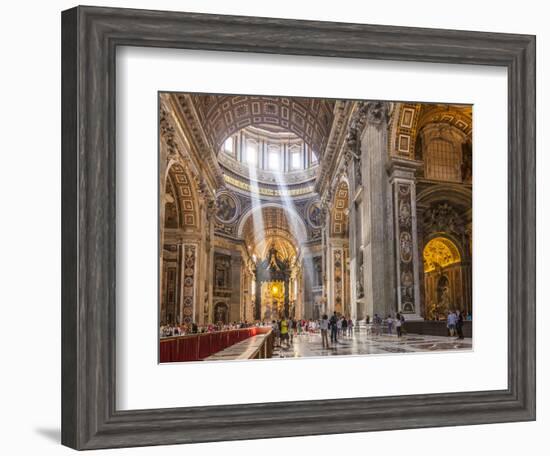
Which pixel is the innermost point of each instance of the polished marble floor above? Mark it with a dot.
(307, 345)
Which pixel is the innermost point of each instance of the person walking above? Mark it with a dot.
(324, 323)
(276, 333)
(344, 326)
(284, 332)
(459, 324)
(334, 328)
(451, 323)
(398, 323)
(350, 327)
(291, 329)
(389, 322)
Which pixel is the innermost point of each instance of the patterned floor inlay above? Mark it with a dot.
(309, 345)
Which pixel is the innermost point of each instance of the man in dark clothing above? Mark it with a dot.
(333, 328)
(459, 324)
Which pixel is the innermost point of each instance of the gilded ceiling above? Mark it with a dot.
(440, 252)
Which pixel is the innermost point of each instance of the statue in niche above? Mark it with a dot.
(221, 313)
(444, 299)
(221, 273)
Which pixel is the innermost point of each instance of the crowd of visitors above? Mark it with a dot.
(455, 323)
(185, 329)
(338, 326)
(284, 329)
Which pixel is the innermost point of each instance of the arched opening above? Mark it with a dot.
(272, 237)
(179, 251)
(443, 278)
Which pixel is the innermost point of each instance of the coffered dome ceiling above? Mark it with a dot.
(308, 118)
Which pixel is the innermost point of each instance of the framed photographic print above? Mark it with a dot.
(280, 228)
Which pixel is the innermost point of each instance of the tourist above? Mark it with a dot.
(291, 328)
(350, 327)
(276, 333)
(459, 324)
(344, 325)
(468, 316)
(367, 320)
(451, 323)
(389, 322)
(398, 323)
(338, 328)
(324, 331)
(377, 323)
(284, 332)
(334, 328)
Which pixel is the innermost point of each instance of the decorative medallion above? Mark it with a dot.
(228, 208)
(314, 214)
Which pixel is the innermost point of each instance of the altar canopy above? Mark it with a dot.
(272, 287)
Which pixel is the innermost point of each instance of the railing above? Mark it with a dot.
(196, 347)
(266, 348)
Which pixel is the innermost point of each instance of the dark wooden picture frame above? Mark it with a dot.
(90, 37)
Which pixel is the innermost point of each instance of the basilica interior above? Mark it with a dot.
(299, 207)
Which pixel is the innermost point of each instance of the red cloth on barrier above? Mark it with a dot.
(197, 347)
(205, 345)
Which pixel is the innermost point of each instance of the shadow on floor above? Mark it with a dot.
(52, 434)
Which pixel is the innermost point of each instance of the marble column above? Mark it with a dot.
(377, 214)
(355, 231)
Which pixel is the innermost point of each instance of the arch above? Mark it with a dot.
(440, 252)
(440, 146)
(171, 206)
(408, 119)
(446, 286)
(460, 195)
(300, 235)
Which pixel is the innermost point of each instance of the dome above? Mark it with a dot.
(268, 155)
